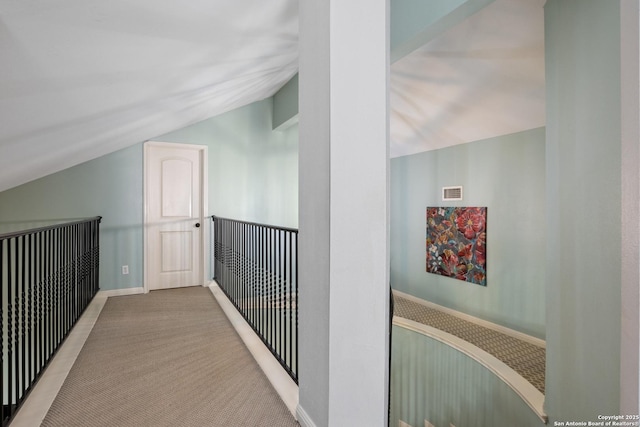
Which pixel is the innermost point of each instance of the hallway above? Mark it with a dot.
(165, 358)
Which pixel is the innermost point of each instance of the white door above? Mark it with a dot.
(173, 215)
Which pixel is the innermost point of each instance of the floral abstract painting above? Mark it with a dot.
(457, 243)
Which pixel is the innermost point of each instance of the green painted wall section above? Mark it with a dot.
(285, 105)
(111, 187)
(414, 23)
(252, 176)
(410, 17)
(253, 171)
(583, 208)
(506, 174)
(435, 382)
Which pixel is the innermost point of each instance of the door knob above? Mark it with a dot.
(197, 224)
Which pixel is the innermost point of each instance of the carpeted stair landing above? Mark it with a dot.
(167, 358)
(525, 358)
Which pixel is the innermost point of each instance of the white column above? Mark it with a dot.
(630, 320)
(344, 255)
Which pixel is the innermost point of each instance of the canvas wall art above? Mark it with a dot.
(457, 243)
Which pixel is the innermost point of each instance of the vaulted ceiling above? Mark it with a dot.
(481, 78)
(83, 78)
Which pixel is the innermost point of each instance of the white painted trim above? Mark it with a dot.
(173, 145)
(206, 217)
(39, 401)
(630, 173)
(145, 216)
(523, 388)
(303, 418)
(502, 329)
(280, 380)
(204, 206)
(119, 292)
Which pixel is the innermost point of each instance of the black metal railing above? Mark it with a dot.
(49, 275)
(256, 266)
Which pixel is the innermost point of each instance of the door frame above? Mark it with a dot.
(204, 207)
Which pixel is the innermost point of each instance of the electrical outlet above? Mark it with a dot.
(125, 269)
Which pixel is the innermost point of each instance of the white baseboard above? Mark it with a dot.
(119, 292)
(39, 401)
(503, 329)
(278, 377)
(303, 418)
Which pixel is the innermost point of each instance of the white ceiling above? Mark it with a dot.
(82, 78)
(481, 79)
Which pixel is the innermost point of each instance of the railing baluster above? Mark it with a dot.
(272, 288)
(10, 328)
(254, 258)
(290, 299)
(38, 302)
(32, 278)
(243, 278)
(56, 300)
(281, 293)
(270, 266)
(41, 291)
(265, 282)
(295, 307)
(50, 284)
(256, 267)
(2, 323)
(23, 321)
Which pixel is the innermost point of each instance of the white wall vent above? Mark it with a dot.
(452, 193)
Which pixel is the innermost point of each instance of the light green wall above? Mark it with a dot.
(253, 171)
(252, 176)
(413, 23)
(409, 17)
(435, 382)
(506, 174)
(111, 187)
(285, 104)
(583, 208)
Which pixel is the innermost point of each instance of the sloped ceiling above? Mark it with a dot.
(83, 78)
(480, 79)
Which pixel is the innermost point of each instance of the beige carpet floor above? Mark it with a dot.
(167, 358)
